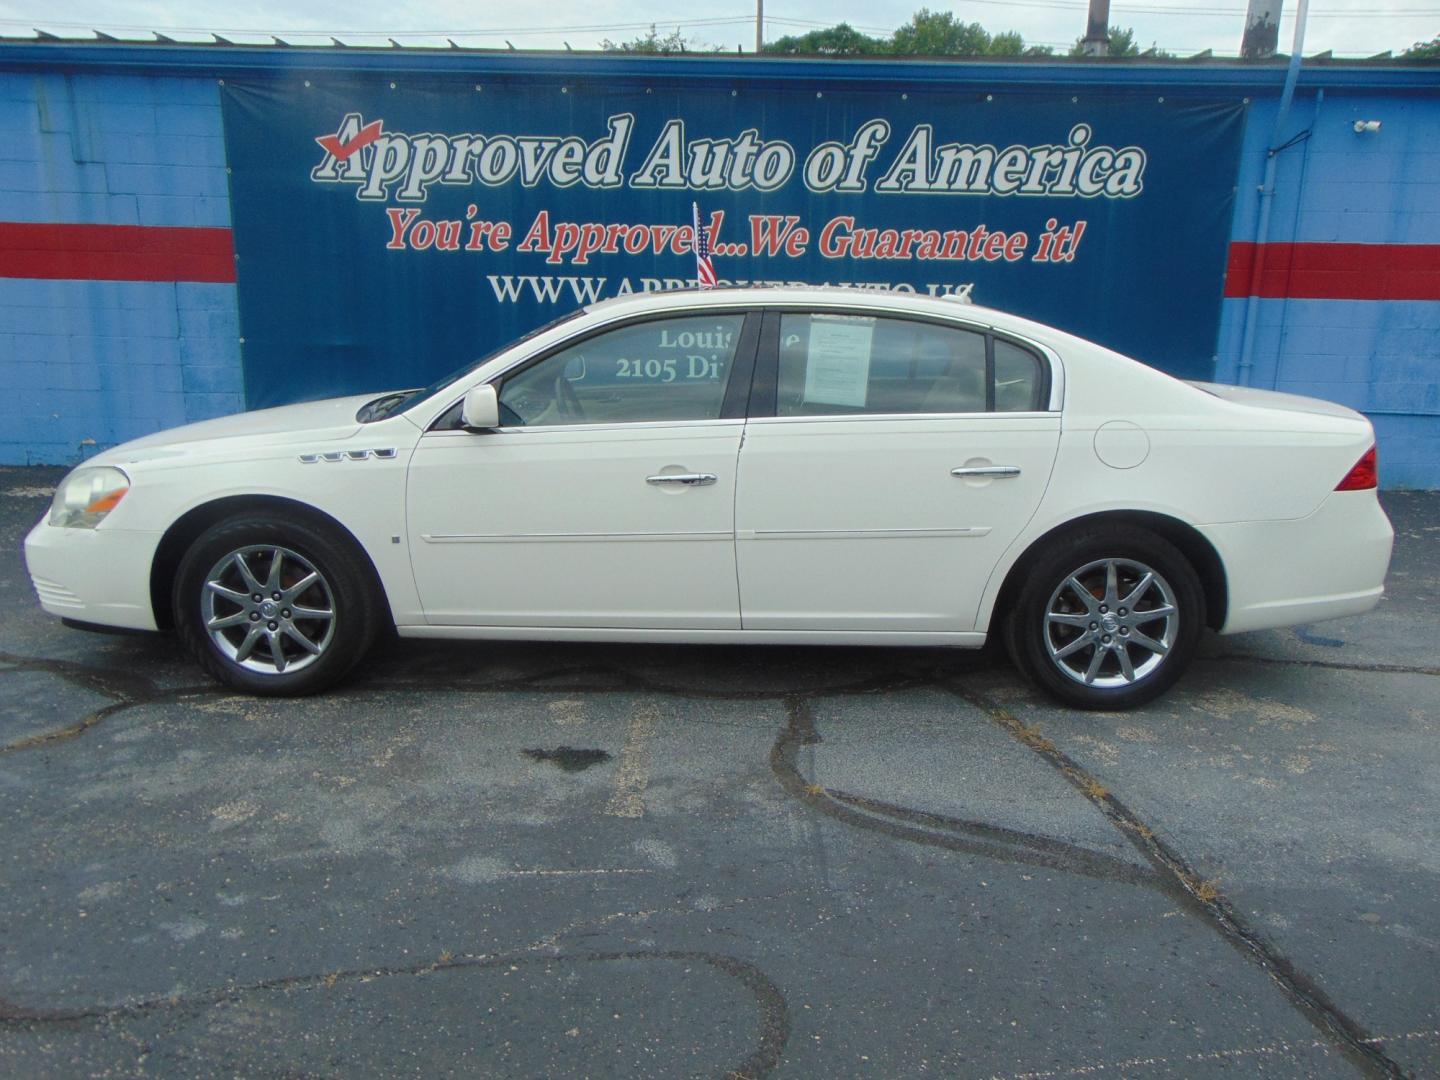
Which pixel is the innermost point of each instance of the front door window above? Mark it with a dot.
(655, 371)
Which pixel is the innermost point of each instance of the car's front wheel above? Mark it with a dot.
(1107, 619)
(273, 606)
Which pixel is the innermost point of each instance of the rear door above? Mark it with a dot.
(887, 465)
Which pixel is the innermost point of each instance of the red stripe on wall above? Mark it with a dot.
(1335, 271)
(115, 252)
(1319, 271)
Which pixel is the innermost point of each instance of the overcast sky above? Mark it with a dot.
(1348, 27)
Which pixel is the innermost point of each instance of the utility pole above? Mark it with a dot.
(1097, 30)
(1262, 30)
(759, 27)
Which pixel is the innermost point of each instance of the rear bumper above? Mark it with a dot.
(99, 576)
(1324, 566)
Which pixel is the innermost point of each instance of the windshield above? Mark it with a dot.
(399, 400)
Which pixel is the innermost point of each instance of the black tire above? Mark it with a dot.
(345, 587)
(1056, 636)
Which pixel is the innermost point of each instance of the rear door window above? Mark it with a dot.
(840, 364)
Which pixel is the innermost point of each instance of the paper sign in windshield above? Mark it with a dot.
(838, 369)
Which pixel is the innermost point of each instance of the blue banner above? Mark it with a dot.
(387, 233)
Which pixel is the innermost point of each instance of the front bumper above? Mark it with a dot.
(99, 576)
(1327, 565)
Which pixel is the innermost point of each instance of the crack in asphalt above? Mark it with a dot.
(580, 679)
(1170, 872)
(935, 830)
(1356, 1044)
(1223, 1056)
(772, 1028)
(1049, 852)
(107, 682)
(131, 690)
(126, 691)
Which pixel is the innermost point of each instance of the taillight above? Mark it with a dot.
(1364, 475)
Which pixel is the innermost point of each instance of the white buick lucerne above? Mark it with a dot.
(783, 466)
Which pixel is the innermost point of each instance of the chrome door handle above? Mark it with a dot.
(998, 471)
(689, 479)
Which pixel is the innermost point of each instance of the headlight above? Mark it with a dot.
(85, 496)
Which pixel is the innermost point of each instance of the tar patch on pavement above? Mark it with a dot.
(568, 758)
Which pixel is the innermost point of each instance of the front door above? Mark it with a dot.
(606, 499)
(901, 460)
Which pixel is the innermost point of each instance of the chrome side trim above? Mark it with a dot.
(861, 534)
(964, 639)
(569, 538)
(1008, 419)
(582, 429)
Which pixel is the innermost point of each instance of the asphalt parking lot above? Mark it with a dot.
(547, 860)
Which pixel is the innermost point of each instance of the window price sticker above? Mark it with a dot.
(837, 370)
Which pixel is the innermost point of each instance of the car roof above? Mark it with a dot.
(787, 295)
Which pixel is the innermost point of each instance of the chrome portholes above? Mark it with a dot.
(1111, 623)
(268, 609)
(383, 454)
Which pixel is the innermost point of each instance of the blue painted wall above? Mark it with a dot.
(1380, 357)
(88, 364)
(84, 365)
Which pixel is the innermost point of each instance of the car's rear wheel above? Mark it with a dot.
(1107, 619)
(274, 606)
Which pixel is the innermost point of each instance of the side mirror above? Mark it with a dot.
(481, 410)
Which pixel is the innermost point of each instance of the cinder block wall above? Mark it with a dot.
(1364, 343)
(86, 364)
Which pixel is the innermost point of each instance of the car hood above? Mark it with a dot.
(312, 421)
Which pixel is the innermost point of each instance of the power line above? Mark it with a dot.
(302, 31)
(714, 21)
(1210, 9)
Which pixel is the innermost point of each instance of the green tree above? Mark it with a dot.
(1122, 43)
(1424, 50)
(841, 40)
(928, 33)
(1008, 43)
(653, 44)
(939, 33)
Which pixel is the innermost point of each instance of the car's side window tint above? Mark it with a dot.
(662, 369)
(836, 365)
(1019, 379)
(841, 364)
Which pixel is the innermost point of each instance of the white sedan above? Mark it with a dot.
(807, 466)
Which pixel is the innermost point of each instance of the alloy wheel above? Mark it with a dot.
(268, 609)
(1111, 623)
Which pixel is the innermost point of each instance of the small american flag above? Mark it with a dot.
(704, 268)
